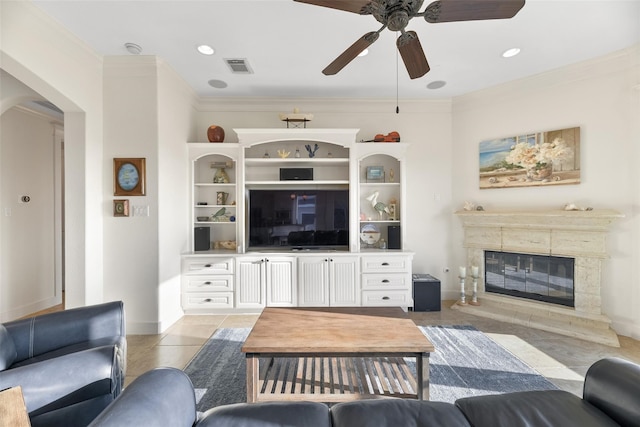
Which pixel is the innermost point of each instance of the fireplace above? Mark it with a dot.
(536, 277)
(512, 248)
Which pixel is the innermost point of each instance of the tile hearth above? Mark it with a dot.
(577, 234)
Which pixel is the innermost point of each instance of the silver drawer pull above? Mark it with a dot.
(386, 298)
(385, 280)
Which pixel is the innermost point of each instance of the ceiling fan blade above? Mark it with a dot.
(355, 6)
(412, 54)
(352, 51)
(471, 10)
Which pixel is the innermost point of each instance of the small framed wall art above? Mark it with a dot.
(129, 177)
(121, 207)
(375, 173)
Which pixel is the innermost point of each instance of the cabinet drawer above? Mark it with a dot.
(208, 266)
(386, 281)
(205, 300)
(218, 283)
(377, 264)
(387, 298)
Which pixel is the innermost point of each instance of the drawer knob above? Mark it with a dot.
(206, 300)
(385, 280)
(385, 264)
(207, 266)
(207, 283)
(386, 298)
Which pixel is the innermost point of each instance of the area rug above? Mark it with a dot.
(466, 363)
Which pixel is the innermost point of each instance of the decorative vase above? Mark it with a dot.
(540, 173)
(221, 177)
(215, 134)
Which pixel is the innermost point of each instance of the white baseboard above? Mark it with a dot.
(27, 309)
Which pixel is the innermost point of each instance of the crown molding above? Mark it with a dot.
(322, 105)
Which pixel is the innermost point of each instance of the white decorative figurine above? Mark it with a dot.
(378, 206)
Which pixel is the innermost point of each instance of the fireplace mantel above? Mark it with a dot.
(597, 220)
(577, 234)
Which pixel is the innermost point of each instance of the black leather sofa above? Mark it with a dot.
(611, 397)
(70, 364)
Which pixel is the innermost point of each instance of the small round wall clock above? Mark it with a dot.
(129, 177)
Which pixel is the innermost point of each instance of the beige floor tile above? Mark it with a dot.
(187, 334)
(240, 321)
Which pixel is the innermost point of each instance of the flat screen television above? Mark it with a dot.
(298, 219)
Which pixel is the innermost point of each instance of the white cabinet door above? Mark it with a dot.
(281, 282)
(250, 286)
(313, 281)
(343, 281)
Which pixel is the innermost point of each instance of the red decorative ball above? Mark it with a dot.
(215, 134)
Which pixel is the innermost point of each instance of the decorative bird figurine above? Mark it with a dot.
(378, 206)
(217, 217)
(312, 153)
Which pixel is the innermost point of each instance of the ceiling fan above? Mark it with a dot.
(395, 15)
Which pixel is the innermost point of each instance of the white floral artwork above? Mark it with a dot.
(535, 159)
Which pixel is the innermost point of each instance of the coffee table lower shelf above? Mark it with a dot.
(334, 379)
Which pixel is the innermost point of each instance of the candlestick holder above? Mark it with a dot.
(463, 299)
(474, 297)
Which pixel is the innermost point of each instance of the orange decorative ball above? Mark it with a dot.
(215, 134)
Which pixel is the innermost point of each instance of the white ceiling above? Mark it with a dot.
(288, 44)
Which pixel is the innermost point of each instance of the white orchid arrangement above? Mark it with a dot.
(538, 156)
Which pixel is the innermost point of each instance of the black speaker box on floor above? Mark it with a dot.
(393, 232)
(202, 241)
(294, 174)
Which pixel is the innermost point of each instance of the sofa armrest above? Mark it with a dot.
(613, 386)
(62, 381)
(48, 332)
(158, 398)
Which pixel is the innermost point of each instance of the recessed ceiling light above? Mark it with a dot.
(511, 52)
(364, 52)
(206, 49)
(218, 84)
(133, 48)
(436, 84)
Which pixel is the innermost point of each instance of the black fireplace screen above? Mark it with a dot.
(537, 277)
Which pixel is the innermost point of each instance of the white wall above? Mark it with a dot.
(40, 54)
(425, 125)
(599, 96)
(131, 243)
(27, 245)
(148, 113)
(176, 124)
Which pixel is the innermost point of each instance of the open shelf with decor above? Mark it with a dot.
(380, 194)
(214, 196)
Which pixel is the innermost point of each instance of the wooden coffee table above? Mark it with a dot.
(335, 354)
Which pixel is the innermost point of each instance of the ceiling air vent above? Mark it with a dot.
(239, 66)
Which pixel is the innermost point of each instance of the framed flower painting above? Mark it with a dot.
(533, 159)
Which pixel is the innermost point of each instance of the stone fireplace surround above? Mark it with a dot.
(577, 234)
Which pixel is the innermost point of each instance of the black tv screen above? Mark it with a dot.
(299, 219)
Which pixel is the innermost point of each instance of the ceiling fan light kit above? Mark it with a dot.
(396, 14)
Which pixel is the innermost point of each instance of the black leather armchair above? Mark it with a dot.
(70, 364)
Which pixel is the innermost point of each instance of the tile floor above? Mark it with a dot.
(563, 360)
